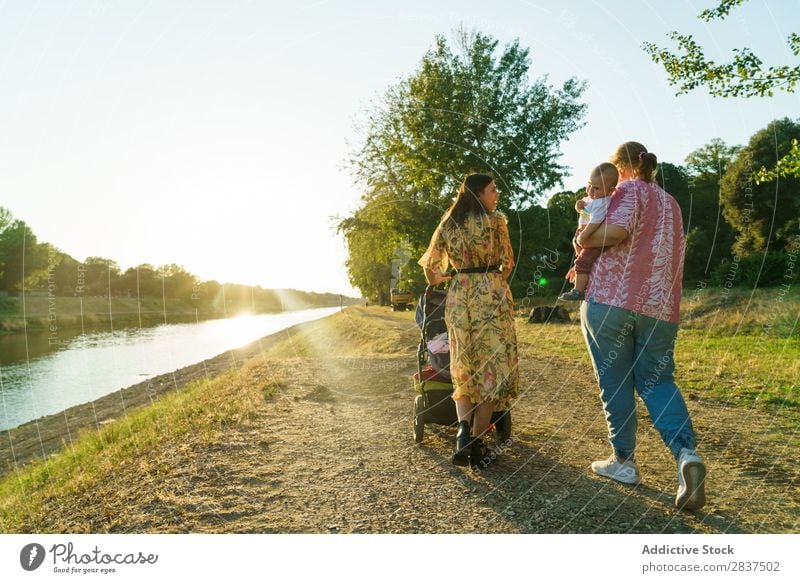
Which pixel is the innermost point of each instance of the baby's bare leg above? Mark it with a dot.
(581, 281)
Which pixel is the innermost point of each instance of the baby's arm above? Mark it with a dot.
(579, 204)
(590, 228)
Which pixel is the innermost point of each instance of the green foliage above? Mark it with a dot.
(141, 281)
(675, 180)
(786, 167)
(467, 108)
(542, 242)
(721, 10)
(22, 259)
(99, 274)
(41, 267)
(708, 163)
(178, 283)
(744, 76)
(5, 218)
(696, 187)
(765, 270)
(756, 270)
(371, 242)
(765, 215)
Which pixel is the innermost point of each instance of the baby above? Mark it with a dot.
(592, 209)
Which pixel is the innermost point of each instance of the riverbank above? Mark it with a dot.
(310, 431)
(41, 438)
(68, 313)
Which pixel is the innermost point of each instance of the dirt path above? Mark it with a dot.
(332, 451)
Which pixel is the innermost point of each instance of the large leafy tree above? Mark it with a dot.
(766, 215)
(469, 107)
(66, 274)
(141, 281)
(709, 235)
(371, 242)
(178, 282)
(23, 259)
(101, 275)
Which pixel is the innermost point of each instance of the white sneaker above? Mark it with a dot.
(691, 481)
(626, 472)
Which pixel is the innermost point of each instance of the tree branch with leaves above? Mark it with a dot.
(745, 75)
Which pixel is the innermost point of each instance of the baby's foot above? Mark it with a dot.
(572, 296)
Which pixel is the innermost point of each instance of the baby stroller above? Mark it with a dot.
(432, 383)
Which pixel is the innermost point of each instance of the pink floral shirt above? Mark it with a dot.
(644, 273)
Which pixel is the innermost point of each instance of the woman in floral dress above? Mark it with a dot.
(472, 237)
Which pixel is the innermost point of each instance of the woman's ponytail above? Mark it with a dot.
(633, 155)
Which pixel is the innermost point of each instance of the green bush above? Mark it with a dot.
(755, 270)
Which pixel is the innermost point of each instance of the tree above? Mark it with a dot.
(141, 281)
(22, 258)
(745, 76)
(101, 275)
(211, 294)
(66, 274)
(370, 253)
(708, 235)
(708, 163)
(765, 215)
(786, 167)
(178, 282)
(467, 108)
(6, 219)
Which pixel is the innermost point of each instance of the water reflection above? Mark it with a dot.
(16, 348)
(35, 380)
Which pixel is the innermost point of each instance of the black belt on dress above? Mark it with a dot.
(479, 269)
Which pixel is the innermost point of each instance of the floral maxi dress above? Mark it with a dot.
(479, 310)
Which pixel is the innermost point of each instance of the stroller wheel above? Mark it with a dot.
(419, 418)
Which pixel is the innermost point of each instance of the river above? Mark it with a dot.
(39, 378)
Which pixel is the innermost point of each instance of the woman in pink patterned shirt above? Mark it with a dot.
(630, 322)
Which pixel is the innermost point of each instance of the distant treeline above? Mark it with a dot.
(40, 268)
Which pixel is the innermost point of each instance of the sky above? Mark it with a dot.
(214, 134)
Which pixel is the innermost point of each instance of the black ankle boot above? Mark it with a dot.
(463, 445)
(481, 456)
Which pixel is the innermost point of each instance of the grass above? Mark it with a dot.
(737, 345)
(748, 368)
(201, 411)
(757, 364)
(203, 408)
(352, 334)
(721, 312)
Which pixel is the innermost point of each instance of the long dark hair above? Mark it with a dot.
(467, 200)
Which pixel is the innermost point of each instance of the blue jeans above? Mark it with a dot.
(630, 351)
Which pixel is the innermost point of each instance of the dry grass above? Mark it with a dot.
(313, 435)
(200, 413)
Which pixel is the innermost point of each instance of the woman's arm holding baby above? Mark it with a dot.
(603, 235)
